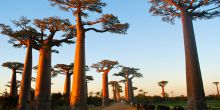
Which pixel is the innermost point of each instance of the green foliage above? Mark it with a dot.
(162, 83)
(105, 65)
(128, 72)
(13, 65)
(64, 69)
(95, 101)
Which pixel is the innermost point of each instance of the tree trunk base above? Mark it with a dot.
(42, 105)
(196, 105)
(78, 107)
(25, 106)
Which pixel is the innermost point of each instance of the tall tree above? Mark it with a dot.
(118, 92)
(129, 73)
(25, 36)
(105, 66)
(189, 10)
(216, 84)
(48, 27)
(162, 84)
(88, 79)
(114, 85)
(67, 71)
(109, 23)
(15, 67)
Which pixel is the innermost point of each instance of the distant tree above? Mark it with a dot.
(140, 91)
(189, 10)
(129, 73)
(67, 71)
(118, 91)
(104, 67)
(98, 94)
(162, 84)
(25, 36)
(216, 84)
(109, 23)
(18, 84)
(91, 93)
(114, 85)
(88, 79)
(15, 67)
(125, 89)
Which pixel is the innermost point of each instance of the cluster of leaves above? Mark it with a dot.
(128, 72)
(105, 65)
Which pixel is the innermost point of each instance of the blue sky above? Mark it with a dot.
(151, 45)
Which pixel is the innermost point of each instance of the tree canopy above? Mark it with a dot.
(162, 83)
(105, 65)
(197, 9)
(128, 72)
(13, 65)
(108, 22)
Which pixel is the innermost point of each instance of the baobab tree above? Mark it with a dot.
(114, 85)
(162, 84)
(67, 71)
(128, 74)
(88, 79)
(18, 84)
(189, 10)
(104, 67)
(216, 84)
(15, 67)
(118, 92)
(48, 27)
(23, 37)
(108, 22)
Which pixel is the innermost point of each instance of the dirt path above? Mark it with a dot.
(119, 106)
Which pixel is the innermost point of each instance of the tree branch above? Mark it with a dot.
(96, 30)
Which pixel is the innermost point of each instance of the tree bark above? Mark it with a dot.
(105, 93)
(66, 92)
(114, 93)
(25, 90)
(43, 83)
(13, 88)
(128, 91)
(195, 91)
(217, 90)
(78, 95)
(131, 90)
(118, 95)
(163, 92)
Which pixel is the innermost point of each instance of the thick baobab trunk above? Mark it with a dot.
(66, 92)
(163, 92)
(105, 93)
(128, 91)
(43, 83)
(25, 91)
(78, 99)
(13, 88)
(114, 93)
(118, 96)
(131, 90)
(195, 91)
